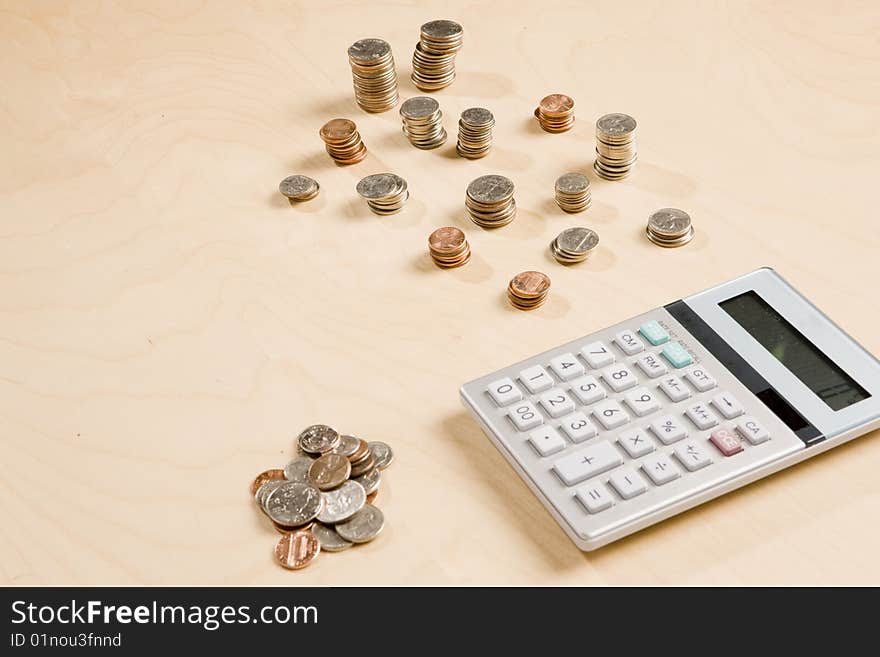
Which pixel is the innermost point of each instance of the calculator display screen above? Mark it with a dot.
(785, 343)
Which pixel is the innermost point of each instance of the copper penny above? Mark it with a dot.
(329, 471)
(556, 104)
(281, 529)
(338, 130)
(530, 284)
(297, 549)
(372, 496)
(448, 238)
(263, 477)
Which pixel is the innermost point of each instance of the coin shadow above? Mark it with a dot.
(477, 269)
(312, 206)
(602, 260)
(339, 107)
(315, 161)
(479, 84)
(532, 127)
(510, 160)
(555, 307)
(663, 182)
(699, 243)
(526, 224)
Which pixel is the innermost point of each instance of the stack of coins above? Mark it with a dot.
(528, 290)
(489, 201)
(299, 188)
(574, 245)
(322, 500)
(555, 113)
(375, 79)
(343, 141)
(434, 56)
(615, 146)
(670, 227)
(573, 192)
(385, 193)
(475, 133)
(448, 247)
(422, 122)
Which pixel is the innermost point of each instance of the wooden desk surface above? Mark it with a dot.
(168, 322)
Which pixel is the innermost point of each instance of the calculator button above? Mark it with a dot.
(726, 442)
(701, 416)
(653, 332)
(587, 462)
(525, 416)
(628, 483)
(642, 401)
(677, 355)
(629, 343)
(610, 414)
(692, 455)
(668, 429)
(567, 366)
(700, 379)
(546, 440)
(661, 469)
(594, 498)
(651, 365)
(504, 391)
(674, 388)
(536, 379)
(636, 442)
(727, 405)
(587, 389)
(619, 377)
(557, 403)
(752, 430)
(578, 427)
(597, 355)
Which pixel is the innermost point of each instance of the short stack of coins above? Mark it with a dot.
(670, 227)
(434, 56)
(422, 122)
(573, 192)
(343, 141)
(385, 193)
(574, 245)
(373, 74)
(528, 290)
(489, 201)
(449, 247)
(555, 113)
(323, 499)
(299, 188)
(475, 133)
(615, 146)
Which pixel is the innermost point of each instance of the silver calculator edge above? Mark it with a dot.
(835, 428)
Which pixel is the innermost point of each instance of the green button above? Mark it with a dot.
(676, 355)
(654, 333)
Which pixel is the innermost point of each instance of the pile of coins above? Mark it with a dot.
(422, 122)
(615, 146)
(374, 76)
(475, 133)
(343, 141)
(574, 245)
(322, 499)
(449, 247)
(434, 57)
(299, 188)
(489, 201)
(670, 227)
(385, 193)
(573, 192)
(528, 290)
(555, 113)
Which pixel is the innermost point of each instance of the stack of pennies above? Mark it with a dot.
(475, 133)
(528, 289)
(615, 146)
(573, 192)
(422, 122)
(343, 141)
(448, 247)
(299, 188)
(489, 201)
(574, 245)
(555, 113)
(374, 76)
(385, 193)
(434, 57)
(670, 227)
(322, 500)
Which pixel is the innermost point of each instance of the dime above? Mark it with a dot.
(370, 480)
(385, 193)
(298, 469)
(318, 439)
(670, 227)
(528, 290)
(363, 466)
(347, 445)
(297, 550)
(555, 113)
(449, 247)
(292, 504)
(382, 454)
(475, 133)
(299, 188)
(489, 201)
(363, 526)
(422, 122)
(328, 538)
(373, 75)
(574, 245)
(263, 477)
(329, 471)
(615, 146)
(265, 491)
(343, 141)
(433, 64)
(573, 192)
(343, 502)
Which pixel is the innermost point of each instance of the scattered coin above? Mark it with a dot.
(449, 247)
(292, 504)
(269, 475)
(297, 549)
(475, 133)
(318, 439)
(555, 113)
(574, 245)
(670, 227)
(370, 480)
(372, 496)
(265, 490)
(573, 192)
(328, 538)
(342, 503)
(385, 193)
(434, 56)
(281, 529)
(362, 464)
(615, 146)
(373, 74)
(422, 122)
(298, 469)
(343, 141)
(528, 290)
(382, 454)
(299, 188)
(329, 471)
(489, 201)
(347, 445)
(363, 526)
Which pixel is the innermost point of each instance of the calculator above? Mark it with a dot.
(645, 419)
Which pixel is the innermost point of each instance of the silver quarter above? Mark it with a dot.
(382, 454)
(442, 29)
(572, 183)
(329, 539)
(347, 445)
(420, 107)
(577, 240)
(370, 480)
(490, 189)
(380, 185)
(669, 222)
(343, 502)
(298, 469)
(616, 124)
(292, 504)
(363, 526)
(317, 439)
(477, 116)
(298, 188)
(367, 50)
